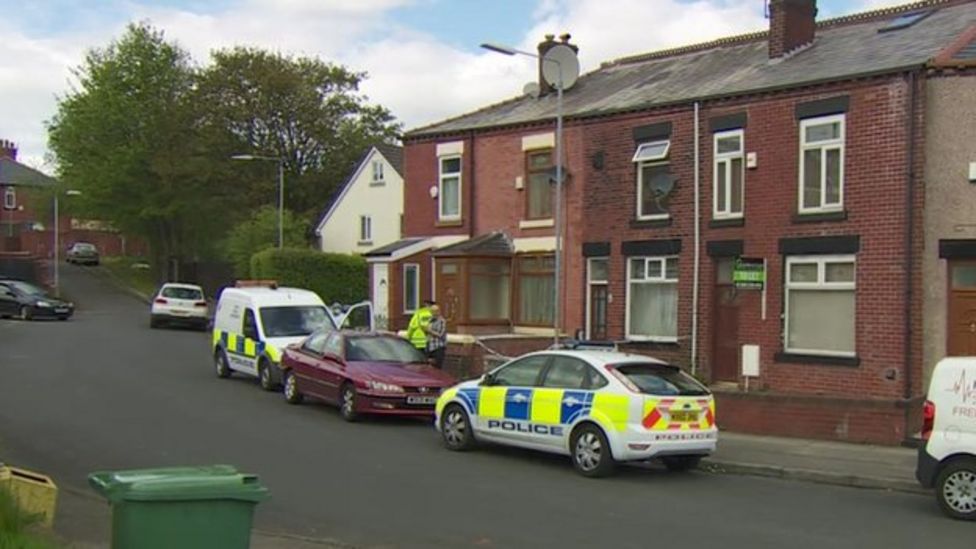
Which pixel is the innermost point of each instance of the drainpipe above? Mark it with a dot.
(909, 236)
(472, 210)
(697, 267)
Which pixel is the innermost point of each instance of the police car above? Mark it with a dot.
(598, 407)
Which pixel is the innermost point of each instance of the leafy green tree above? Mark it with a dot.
(260, 232)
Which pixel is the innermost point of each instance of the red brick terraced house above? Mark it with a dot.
(750, 209)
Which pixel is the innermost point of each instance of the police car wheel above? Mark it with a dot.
(679, 464)
(456, 429)
(347, 403)
(292, 394)
(590, 452)
(955, 489)
(220, 363)
(264, 376)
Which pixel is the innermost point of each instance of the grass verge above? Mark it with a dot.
(132, 272)
(18, 530)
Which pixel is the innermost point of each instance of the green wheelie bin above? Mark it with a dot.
(187, 507)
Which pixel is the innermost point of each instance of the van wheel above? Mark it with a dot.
(680, 464)
(292, 394)
(264, 376)
(456, 429)
(220, 365)
(347, 403)
(955, 489)
(590, 451)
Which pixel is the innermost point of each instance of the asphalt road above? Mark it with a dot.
(103, 391)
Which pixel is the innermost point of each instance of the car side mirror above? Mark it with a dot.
(488, 380)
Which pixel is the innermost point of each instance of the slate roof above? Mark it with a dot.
(493, 243)
(390, 249)
(844, 48)
(393, 154)
(15, 173)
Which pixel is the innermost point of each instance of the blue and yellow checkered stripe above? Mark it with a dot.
(239, 345)
(538, 405)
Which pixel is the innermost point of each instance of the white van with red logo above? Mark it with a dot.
(947, 459)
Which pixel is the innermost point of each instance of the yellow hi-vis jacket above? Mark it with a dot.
(417, 329)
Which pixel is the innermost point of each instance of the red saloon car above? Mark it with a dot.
(362, 373)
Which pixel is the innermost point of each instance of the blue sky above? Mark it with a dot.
(422, 56)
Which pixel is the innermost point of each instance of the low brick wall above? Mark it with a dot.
(470, 360)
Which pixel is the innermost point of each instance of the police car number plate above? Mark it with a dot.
(684, 416)
(421, 400)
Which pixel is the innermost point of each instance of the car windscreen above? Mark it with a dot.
(382, 349)
(174, 292)
(659, 379)
(25, 288)
(293, 320)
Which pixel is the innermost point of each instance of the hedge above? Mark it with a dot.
(339, 278)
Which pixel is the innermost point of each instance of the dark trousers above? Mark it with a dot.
(436, 357)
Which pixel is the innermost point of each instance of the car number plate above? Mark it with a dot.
(684, 416)
(421, 400)
(61, 310)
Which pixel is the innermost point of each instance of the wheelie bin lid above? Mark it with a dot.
(178, 484)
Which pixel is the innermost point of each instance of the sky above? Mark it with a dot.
(422, 56)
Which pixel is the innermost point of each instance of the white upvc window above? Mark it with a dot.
(365, 229)
(10, 199)
(820, 305)
(449, 188)
(652, 299)
(654, 180)
(411, 287)
(729, 174)
(377, 172)
(822, 164)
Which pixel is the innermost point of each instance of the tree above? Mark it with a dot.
(260, 232)
(303, 110)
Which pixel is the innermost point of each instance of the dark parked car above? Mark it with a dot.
(83, 253)
(26, 301)
(363, 373)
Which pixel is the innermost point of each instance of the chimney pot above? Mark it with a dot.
(792, 24)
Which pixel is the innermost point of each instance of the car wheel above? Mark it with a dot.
(265, 376)
(220, 363)
(292, 394)
(590, 451)
(347, 402)
(680, 464)
(955, 489)
(26, 313)
(456, 429)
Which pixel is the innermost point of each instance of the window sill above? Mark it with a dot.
(377, 183)
(364, 243)
(533, 331)
(659, 223)
(449, 223)
(723, 222)
(796, 358)
(819, 217)
(536, 223)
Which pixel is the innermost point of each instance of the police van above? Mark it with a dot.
(597, 407)
(255, 321)
(947, 459)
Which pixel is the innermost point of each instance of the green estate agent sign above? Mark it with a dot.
(749, 273)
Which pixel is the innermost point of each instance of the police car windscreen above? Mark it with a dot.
(291, 321)
(382, 349)
(654, 379)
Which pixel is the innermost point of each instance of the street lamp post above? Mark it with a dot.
(57, 239)
(557, 312)
(281, 189)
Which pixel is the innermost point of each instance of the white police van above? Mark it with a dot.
(255, 321)
(947, 459)
(597, 407)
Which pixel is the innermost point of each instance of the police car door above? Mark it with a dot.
(564, 396)
(505, 399)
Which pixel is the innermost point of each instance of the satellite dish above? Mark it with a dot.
(565, 58)
(531, 88)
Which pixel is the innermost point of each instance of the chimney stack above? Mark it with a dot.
(792, 24)
(8, 149)
(545, 46)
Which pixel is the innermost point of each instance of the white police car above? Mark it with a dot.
(598, 407)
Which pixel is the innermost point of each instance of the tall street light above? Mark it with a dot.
(281, 189)
(57, 238)
(506, 50)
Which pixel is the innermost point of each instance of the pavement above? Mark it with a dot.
(103, 391)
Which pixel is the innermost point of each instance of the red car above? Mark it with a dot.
(362, 373)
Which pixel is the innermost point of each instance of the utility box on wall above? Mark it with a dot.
(750, 360)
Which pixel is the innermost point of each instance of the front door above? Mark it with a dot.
(381, 295)
(962, 309)
(597, 293)
(449, 291)
(725, 324)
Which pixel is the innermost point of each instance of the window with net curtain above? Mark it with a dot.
(820, 305)
(490, 289)
(652, 298)
(449, 187)
(537, 290)
(538, 198)
(822, 164)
